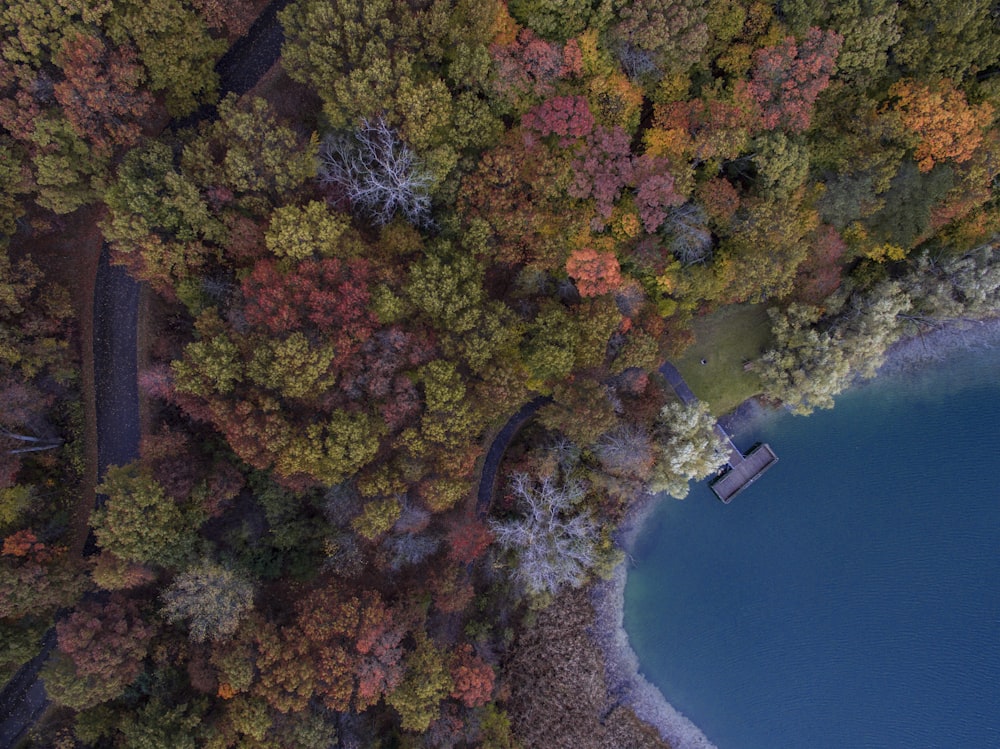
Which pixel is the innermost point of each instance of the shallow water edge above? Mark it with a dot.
(625, 681)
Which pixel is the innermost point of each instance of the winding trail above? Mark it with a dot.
(116, 315)
(488, 480)
(23, 698)
(245, 63)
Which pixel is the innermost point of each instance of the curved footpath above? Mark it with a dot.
(116, 314)
(488, 479)
(23, 698)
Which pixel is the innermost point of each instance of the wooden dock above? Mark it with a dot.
(743, 469)
(747, 470)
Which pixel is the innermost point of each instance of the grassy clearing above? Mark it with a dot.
(725, 340)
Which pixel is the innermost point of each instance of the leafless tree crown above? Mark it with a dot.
(689, 237)
(554, 541)
(379, 174)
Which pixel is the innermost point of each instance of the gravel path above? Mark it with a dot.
(23, 700)
(252, 55)
(116, 315)
(676, 380)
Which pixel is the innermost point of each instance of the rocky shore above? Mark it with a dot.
(625, 684)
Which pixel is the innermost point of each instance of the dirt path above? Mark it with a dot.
(116, 314)
(23, 700)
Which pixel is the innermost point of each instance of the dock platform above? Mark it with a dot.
(743, 469)
(743, 472)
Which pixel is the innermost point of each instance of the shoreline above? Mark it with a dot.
(907, 355)
(623, 675)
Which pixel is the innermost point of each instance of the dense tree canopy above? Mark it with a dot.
(437, 227)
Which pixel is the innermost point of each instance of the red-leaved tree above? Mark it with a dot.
(101, 92)
(719, 199)
(328, 295)
(655, 193)
(376, 373)
(820, 273)
(107, 641)
(516, 189)
(472, 678)
(566, 116)
(602, 169)
(353, 647)
(467, 539)
(786, 78)
(528, 66)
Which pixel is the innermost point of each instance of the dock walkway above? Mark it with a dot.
(742, 470)
(730, 483)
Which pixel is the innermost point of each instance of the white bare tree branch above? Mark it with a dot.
(34, 444)
(380, 174)
(553, 541)
(689, 237)
(626, 450)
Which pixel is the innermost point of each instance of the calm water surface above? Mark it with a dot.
(851, 598)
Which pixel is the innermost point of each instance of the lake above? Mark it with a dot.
(850, 598)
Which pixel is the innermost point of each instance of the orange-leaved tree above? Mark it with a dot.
(941, 119)
(594, 272)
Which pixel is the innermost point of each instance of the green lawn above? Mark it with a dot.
(725, 340)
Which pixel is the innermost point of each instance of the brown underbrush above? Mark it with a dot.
(558, 695)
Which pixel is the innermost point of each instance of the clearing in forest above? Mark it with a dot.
(725, 340)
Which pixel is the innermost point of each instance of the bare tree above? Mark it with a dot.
(626, 450)
(344, 556)
(412, 517)
(634, 61)
(408, 549)
(342, 504)
(378, 173)
(566, 454)
(689, 238)
(555, 543)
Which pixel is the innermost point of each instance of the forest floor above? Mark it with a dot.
(68, 253)
(293, 102)
(725, 340)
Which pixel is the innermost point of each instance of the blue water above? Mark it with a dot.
(850, 598)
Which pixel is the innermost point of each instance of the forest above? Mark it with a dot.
(426, 215)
